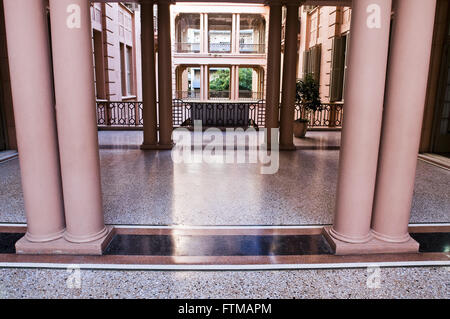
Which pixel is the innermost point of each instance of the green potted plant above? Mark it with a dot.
(308, 96)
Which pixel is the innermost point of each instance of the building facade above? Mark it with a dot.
(219, 51)
(324, 38)
(116, 38)
(385, 98)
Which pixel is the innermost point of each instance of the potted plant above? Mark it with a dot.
(308, 96)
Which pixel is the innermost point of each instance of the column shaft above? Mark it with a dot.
(148, 75)
(32, 92)
(164, 75)
(77, 130)
(364, 95)
(273, 69)
(405, 98)
(289, 78)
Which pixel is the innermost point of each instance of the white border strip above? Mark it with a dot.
(228, 226)
(227, 267)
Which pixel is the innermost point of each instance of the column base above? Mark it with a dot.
(63, 247)
(373, 246)
(156, 147)
(290, 147)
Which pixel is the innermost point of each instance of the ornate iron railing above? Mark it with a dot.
(328, 115)
(119, 114)
(221, 114)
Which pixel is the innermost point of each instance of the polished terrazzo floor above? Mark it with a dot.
(148, 188)
(417, 282)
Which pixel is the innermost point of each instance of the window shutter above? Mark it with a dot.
(315, 62)
(305, 63)
(337, 69)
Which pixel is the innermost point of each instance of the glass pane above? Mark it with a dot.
(248, 84)
(219, 83)
(252, 33)
(219, 32)
(129, 58)
(189, 87)
(188, 33)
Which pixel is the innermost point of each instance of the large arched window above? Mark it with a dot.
(188, 33)
(252, 33)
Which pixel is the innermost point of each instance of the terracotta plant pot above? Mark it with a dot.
(300, 128)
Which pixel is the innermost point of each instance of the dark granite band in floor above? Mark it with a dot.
(230, 245)
(166, 245)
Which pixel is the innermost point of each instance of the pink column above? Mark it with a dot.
(75, 110)
(148, 77)
(164, 75)
(364, 95)
(273, 68)
(31, 83)
(289, 78)
(402, 121)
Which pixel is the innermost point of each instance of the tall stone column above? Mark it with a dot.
(77, 130)
(273, 69)
(32, 92)
(289, 78)
(148, 76)
(404, 105)
(164, 75)
(364, 95)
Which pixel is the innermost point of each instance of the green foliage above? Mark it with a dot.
(221, 81)
(308, 93)
(245, 79)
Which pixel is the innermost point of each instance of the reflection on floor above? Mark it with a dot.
(147, 187)
(133, 139)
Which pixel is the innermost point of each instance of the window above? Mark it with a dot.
(99, 68)
(251, 83)
(188, 82)
(219, 83)
(126, 63)
(252, 33)
(311, 62)
(338, 68)
(219, 32)
(188, 33)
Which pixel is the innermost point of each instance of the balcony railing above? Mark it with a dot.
(187, 47)
(219, 113)
(224, 47)
(219, 95)
(188, 95)
(328, 115)
(251, 48)
(250, 95)
(119, 114)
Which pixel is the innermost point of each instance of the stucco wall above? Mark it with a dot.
(320, 26)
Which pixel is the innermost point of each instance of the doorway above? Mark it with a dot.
(441, 125)
(2, 123)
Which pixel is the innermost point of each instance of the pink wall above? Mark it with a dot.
(320, 26)
(118, 25)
